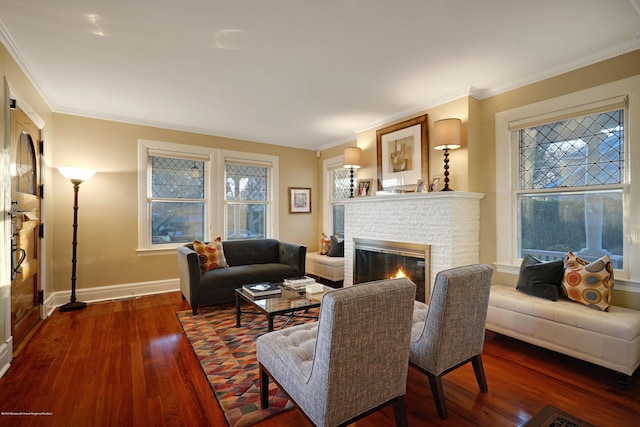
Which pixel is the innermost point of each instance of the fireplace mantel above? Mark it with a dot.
(417, 196)
(447, 221)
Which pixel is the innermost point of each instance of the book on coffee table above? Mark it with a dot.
(299, 282)
(261, 289)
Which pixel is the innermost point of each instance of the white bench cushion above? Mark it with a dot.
(330, 268)
(610, 339)
(620, 322)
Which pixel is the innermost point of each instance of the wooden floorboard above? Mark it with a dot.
(127, 363)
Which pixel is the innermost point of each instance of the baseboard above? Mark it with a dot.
(108, 293)
(6, 355)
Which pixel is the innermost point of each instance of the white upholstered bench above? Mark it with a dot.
(330, 268)
(610, 339)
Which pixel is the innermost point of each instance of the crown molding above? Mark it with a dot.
(474, 92)
(480, 94)
(15, 53)
(434, 102)
(611, 52)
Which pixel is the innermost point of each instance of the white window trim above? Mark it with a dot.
(327, 196)
(144, 146)
(273, 198)
(506, 206)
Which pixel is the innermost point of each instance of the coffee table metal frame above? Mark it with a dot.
(289, 302)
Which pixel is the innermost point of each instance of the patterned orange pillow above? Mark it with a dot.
(588, 283)
(211, 255)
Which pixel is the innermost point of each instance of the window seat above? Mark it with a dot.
(609, 339)
(330, 268)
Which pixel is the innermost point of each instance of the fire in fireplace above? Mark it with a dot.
(380, 259)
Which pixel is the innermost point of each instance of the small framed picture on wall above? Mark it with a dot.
(299, 200)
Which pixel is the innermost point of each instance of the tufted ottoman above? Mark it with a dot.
(610, 339)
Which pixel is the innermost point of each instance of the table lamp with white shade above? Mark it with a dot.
(446, 133)
(351, 159)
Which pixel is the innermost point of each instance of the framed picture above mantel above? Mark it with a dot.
(403, 154)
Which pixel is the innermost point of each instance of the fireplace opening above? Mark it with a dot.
(380, 259)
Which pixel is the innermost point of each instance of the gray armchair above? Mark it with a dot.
(350, 362)
(449, 332)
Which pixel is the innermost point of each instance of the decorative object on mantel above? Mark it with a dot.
(299, 200)
(446, 133)
(436, 183)
(351, 160)
(364, 187)
(393, 192)
(402, 154)
(76, 176)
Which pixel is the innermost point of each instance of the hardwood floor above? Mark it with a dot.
(128, 363)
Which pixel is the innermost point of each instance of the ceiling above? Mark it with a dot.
(299, 73)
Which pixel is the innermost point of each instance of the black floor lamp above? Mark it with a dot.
(77, 176)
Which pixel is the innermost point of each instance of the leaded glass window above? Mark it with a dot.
(177, 205)
(177, 178)
(570, 197)
(583, 151)
(340, 191)
(341, 183)
(246, 182)
(247, 200)
(25, 165)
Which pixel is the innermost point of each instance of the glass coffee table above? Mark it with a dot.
(289, 302)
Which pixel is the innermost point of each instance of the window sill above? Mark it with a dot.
(156, 251)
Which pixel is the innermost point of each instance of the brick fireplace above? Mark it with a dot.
(449, 223)
(381, 259)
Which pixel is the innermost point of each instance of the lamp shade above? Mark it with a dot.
(76, 174)
(352, 157)
(446, 133)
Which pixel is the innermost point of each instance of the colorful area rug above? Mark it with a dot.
(227, 356)
(551, 416)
